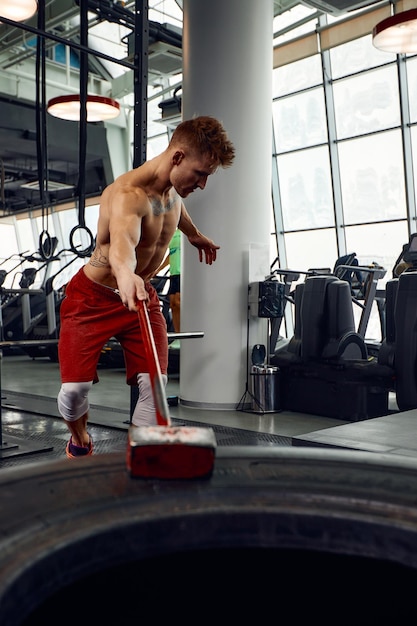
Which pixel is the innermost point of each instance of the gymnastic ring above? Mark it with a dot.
(45, 245)
(89, 249)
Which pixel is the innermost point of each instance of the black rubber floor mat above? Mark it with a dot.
(28, 437)
(228, 436)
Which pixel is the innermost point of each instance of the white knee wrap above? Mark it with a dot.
(144, 413)
(73, 400)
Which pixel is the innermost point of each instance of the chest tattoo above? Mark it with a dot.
(158, 207)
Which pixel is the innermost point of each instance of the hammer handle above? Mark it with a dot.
(158, 387)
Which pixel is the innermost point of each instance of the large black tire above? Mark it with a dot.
(320, 536)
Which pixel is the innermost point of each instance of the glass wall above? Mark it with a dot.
(341, 155)
(344, 119)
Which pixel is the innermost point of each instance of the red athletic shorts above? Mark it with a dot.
(90, 315)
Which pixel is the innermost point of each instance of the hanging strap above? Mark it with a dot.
(2, 194)
(82, 143)
(45, 243)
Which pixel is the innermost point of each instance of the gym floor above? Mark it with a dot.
(32, 430)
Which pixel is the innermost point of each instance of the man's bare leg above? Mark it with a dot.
(78, 430)
(73, 406)
(175, 305)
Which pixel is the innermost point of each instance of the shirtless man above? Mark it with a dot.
(139, 213)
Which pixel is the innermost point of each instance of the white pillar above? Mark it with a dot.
(227, 73)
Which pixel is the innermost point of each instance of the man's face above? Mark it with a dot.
(190, 172)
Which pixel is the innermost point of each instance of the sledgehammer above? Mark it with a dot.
(165, 451)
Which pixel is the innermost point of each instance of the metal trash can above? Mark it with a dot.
(265, 388)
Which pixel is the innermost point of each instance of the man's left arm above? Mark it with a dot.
(204, 245)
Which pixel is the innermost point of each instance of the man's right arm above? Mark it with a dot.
(125, 225)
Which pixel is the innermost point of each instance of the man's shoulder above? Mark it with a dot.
(126, 185)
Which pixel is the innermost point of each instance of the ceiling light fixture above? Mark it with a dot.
(397, 33)
(99, 108)
(18, 10)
